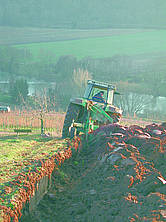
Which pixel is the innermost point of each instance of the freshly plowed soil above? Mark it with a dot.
(118, 176)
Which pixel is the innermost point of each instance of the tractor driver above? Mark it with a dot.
(99, 97)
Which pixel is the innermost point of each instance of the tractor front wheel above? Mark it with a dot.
(71, 116)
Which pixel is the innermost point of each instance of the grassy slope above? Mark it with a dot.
(15, 153)
(123, 44)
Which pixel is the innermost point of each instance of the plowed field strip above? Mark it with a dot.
(115, 179)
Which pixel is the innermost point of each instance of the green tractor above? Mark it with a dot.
(92, 111)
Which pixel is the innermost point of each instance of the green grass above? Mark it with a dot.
(122, 44)
(17, 152)
(22, 156)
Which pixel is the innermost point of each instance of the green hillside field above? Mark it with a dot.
(24, 35)
(145, 42)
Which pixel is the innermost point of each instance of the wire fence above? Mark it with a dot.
(52, 122)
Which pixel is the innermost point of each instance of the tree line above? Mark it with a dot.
(84, 14)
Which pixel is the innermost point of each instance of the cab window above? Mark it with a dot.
(95, 93)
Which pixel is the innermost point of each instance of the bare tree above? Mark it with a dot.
(80, 78)
(39, 106)
(133, 103)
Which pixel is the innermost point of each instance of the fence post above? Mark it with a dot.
(42, 128)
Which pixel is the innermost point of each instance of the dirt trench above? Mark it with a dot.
(117, 177)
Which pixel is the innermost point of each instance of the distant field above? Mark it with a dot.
(11, 35)
(83, 43)
(123, 43)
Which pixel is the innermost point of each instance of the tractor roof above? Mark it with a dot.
(101, 84)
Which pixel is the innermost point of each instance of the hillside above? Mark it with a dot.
(122, 43)
(135, 60)
(23, 35)
(134, 57)
(84, 14)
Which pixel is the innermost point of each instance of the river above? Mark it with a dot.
(33, 86)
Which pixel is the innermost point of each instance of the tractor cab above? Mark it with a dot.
(99, 92)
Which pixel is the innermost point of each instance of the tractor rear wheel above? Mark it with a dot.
(71, 116)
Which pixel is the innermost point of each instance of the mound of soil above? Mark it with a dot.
(119, 175)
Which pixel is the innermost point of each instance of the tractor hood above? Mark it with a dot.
(113, 109)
